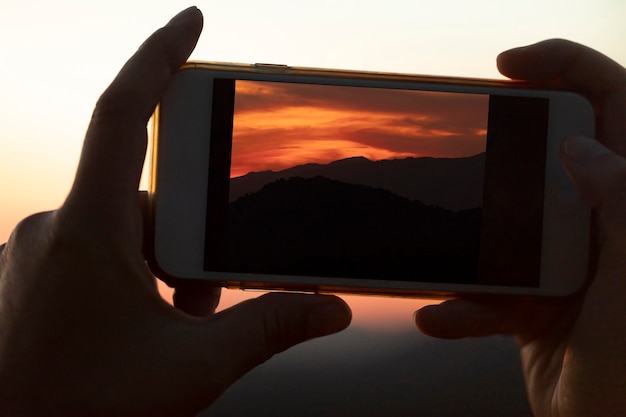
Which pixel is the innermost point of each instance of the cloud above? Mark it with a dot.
(267, 96)
(278, 125)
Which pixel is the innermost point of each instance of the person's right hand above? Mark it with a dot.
(573, 350)
(83, 330)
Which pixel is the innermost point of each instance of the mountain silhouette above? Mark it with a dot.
(453, 183)
(322, 227)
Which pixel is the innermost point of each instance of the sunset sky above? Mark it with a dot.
(58, 56)
(279, 125)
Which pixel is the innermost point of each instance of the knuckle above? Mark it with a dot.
(274, 332)
(30, 238)
(29, 230)
(281, 330)
(52, 234)
(49, 243)
(112, 105)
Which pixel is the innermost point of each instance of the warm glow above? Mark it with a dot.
(280, 125)
(59, 56)
(305, 151)
(379, 313)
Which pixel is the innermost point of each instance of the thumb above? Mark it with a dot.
(600, 176)
(251, 332)
(274, 322)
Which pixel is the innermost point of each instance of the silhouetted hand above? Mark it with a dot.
(573, 350)
(83, 330)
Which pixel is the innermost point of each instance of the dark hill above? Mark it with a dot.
(454, 183)
(322, 227)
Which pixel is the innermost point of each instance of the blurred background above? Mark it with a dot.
(57, 57)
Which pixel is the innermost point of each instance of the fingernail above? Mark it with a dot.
(582, 149)
(328, 318)
(183, 16)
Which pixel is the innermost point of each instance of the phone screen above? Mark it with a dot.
(375, 183)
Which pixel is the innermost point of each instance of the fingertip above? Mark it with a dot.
(428, 321)
(582, 149)
(187, 27)
(328, 317)
(190, 19)
(539, 62)
(186, 15)
(459, 318)
(418, 319)
(505, 56)
(506, 61)
(196, 298)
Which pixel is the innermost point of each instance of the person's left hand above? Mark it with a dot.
(573, 349)
(83, 330)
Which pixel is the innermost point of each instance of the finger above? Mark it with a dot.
(599, 175)
(566, 63)
(196, 297)
(572, 66)
(114, 149)
(253, 331)
(524, 318)
(455, 319)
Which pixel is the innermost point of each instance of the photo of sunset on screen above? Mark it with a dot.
(357, 182)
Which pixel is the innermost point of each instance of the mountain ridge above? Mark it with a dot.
(322, 227)
(452, 183)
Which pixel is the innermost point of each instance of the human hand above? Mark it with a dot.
(83, 330)
(573, 350)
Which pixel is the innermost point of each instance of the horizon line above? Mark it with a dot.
(357, 157)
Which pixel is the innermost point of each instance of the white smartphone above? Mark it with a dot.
(300, 179)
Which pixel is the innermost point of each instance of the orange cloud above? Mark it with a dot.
(279, 125)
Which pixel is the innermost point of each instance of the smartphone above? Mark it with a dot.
(300, 179)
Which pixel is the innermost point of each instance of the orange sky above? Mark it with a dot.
(280, 125)
(385, 314)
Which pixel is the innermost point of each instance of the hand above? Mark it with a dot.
(83, 330)
(573, 350)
